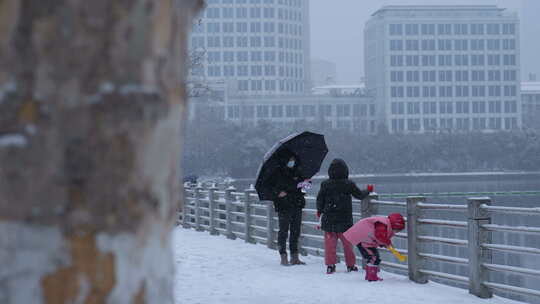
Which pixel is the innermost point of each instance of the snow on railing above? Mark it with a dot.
(238, 214)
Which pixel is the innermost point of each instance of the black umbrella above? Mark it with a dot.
(308, 148)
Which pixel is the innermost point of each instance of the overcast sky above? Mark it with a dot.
(337, 29)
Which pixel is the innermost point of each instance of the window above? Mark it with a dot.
(228, 70)
(413, 91)
(411, 29)
(214, 41)
(462, 75)
(413, 108)
(477, 44)
(412, 60)
(213, 27)
(241, 27)
(241, 12)
(479, 123)
(446, 107)
(446, 123)
(269, 70)
(429, 76)
(510, 75)
(461, 60)
(509, 59)
(243, 85)
(429, 91)
(270, 85)
(214, 57)
(510, 106)
(212, 13)
(413, 124)
(397, 92)
(428, 60)
(359, 110)
(269, 12)
(228, 12)
(478, 91)
(228, 41)
(494, 91)
(494, 75)
(478, 75)
(494, 60)
(269, 27)
(256, 70)
(398, 108)
(445, 76)
(494, 106)
(325, 110)
(228, 27)
(477, 29)
(242, 56)
(479, 107)
(308, 110)
(242, 70)
(412, 45)
(444, 29)
(269, 56)
(462, 91)
(463, 123)
(255, 27)
(493, 44)
(428, 29)
(233, 111)
(396, 29)
(428, 45)
(263, 112)
(343, 110)
(462, 107)
(396, 45)
(292, 111)
(396, 60)
(214, 71)
(413, 76)
(461, 45)
(477, 60)
(461, 29)
(429, 107)
(430, 124)
(445, 60)
(493, 29)
(445, 91)
(509, 29)
(510, 90)
(277, 111)
(445, 44)
(509, 44)
(396, 76)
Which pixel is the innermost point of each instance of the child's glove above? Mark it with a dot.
(370, 188)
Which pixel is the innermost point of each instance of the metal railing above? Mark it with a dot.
(241, 215)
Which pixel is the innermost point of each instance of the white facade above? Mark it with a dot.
(530, 96)
(436, 68)
(258, 47)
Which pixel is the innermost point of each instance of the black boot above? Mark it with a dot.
(295, 260)
(330, 269)
(284, 261)
(352, 268)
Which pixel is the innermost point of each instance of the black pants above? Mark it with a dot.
(373, 257)
(289, 220)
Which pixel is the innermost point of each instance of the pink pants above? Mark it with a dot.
(330, 244)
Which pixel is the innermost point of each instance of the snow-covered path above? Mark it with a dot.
(213, 269)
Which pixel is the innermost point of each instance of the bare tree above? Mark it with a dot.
(91, 116)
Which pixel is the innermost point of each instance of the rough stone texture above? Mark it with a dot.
(94, 91)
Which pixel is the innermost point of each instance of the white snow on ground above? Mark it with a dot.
(214, 269)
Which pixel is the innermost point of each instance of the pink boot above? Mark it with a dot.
(371, 273)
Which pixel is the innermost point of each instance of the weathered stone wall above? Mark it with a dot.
(91, 114)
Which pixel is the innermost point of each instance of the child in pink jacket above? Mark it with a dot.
(370, 233)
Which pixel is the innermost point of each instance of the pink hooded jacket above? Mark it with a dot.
(364, 231)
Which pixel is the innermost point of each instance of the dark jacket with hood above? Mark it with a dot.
(334, 200)
(286, 180)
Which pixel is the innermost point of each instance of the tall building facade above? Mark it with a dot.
(257, 47)
(436, 68)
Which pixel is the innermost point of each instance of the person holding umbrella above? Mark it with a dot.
(284, 173)
(288, 203)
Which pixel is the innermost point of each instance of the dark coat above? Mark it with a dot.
(286, 180)
(334, 200)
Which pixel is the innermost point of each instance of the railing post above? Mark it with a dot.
(247, 214)
(212, 209)
(270, 224)
(478, 255)
(185, 209)
(367, 208)
(413, 246)
(198, 189)
(228, 209)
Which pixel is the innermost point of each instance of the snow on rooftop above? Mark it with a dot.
(530, 86)
(216, 270)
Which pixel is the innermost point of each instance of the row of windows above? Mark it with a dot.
(450, 76)
(254, 41)
(453, 91)
(450, 60)
(255, 56)
(270, 85)
(530, 97)
(276, 111)
(450, 107)
(255, 71)
(254, 12)
(452, 29)
(292, 3)
(477, 123)
(453, 44)
(253, 27)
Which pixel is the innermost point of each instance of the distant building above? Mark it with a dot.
(323, 72)
(257, 47)
(530, 96)
(434, 68)
(530, 45)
